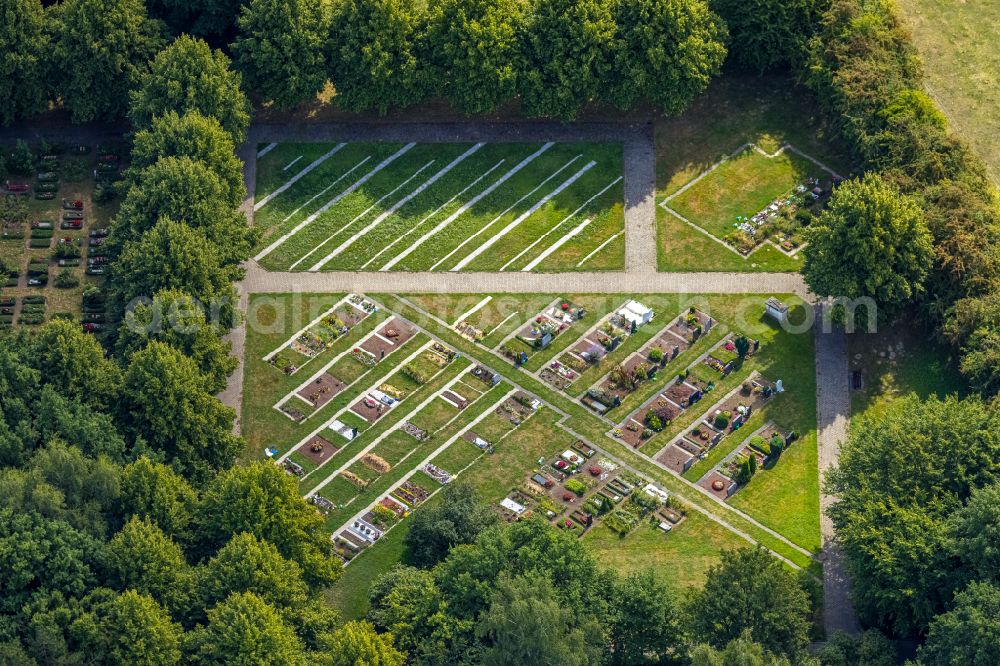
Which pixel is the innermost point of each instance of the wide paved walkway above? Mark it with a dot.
(833, 409)
(259, 280)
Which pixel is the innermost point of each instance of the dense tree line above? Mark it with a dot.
(867, 78)
(102, 59)
(479, 591)
(130, 540)
(919, 489)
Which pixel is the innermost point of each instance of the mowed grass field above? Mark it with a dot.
(415, 207)
(958, 44)
(767, 111)
(741, 186)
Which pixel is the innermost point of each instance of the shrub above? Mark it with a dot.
(575, 486)
(66, 279)
(722, 419)
(653, 421)
(21, 160)
(656, 355)
(757, 442)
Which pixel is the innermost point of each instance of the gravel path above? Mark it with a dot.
(833, 407)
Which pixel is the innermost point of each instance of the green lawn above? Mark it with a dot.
(680, 558)
(898, 360)
(768, 111)
(957, 42)
(441, 206)
(741, 186)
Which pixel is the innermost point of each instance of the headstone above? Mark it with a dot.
(779, 387)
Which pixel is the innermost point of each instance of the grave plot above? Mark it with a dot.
(351, 365)
(658, 413)
(587, 352)
(537, 333)
(395, 206)
(726, 416)
(361, 412)
(320, 334)
(370, 524)
(691, 325)
(317, 449)
(752, 198)
(761, 450)
(719, 485)
(389, 338)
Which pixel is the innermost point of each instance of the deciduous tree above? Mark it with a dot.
(192, 135)
(969, 633)
(24, 44)
(156, 492)
(373, 55)
(750, 590)
(471, 51)
(247, 564)
(99, 52)
(358, 644)
(526, 624)
(165, 402)
(870, 242)
(770, 35)
(280, 49)
(174, 256)
(262, 500)
(189, 76)
(187, 191)
(142, 558)
(131, 628)
(567, 53)
(244, 629)
(178, 320)
(642, 619)
(457, 520)
(666, 51)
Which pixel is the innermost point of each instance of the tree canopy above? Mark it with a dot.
(458, 519)
(166, 402)
(472, 51)
(666, 51)
(567, 56)
(281, 49)
(100, 49)
(189, 76)
(869, 242)
(967, 634)
(372, 54)
(173, 256)
(24, 62)
(894, 527)
(200, 138)
(769, 35)
(750, 590)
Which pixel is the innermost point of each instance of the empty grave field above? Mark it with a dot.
(444, 207)
(753, 200)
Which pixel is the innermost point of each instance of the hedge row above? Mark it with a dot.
(867, 77)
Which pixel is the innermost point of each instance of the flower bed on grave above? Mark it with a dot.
(411, 493)
(375, 463)
(354, 479)
(691, 325)
(783, 219)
